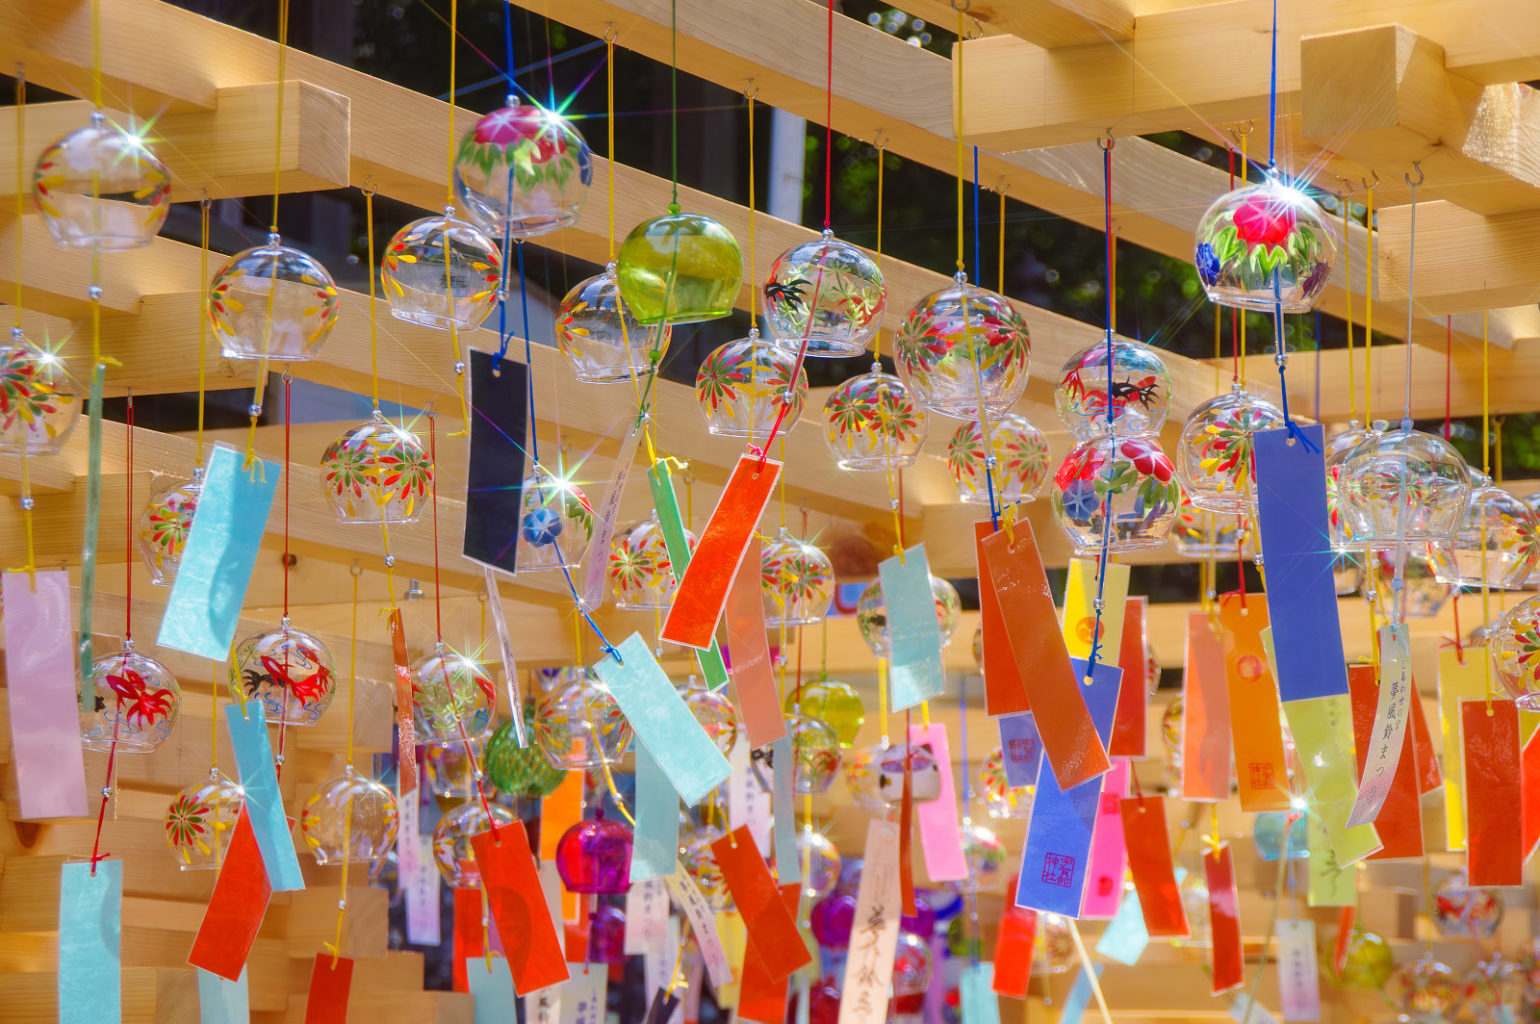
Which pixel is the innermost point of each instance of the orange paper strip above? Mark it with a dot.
(1128, 727)
(236, 909)
(406, 733)
(1530, 786)
(1224, 921)
(772, 929)
(469, 936)
(762, 998)
(1148, 841)
(1004, 693)
(1020, 584)
(331, 981)
(1399, 824)
(1205, 715)
(1494, 853)
(1252, 696)
(692, 618)
(752, 676)
(519, 909)
(559, 811)
(1013, 950)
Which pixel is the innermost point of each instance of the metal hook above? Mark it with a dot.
(205, 202)
(978, 28)
(1347, 185)
(356, 569)
(1001, 186)
(1108, 143)
(1371, 186)
(1416, 166)
(751, 91)
(611, 33)
(880, 140)
(967, 5)
(367, 188)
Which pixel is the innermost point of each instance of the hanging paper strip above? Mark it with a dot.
(406, 730)
(510, 665)
(784, 810)
(1299, 991)
(1399, 821)
(490, 982)
(1125, 937)
(1323, 742)
(469, 935)
(1148, 842)
(90, 937)
(221, 1001)
(772, 928)
(221, 549)
(1460, 677)
(646, 914)
(418, 877)
(753, 678)
(1530, 788)
(560, 810)
(1057, 851)
(690, 899)
(93, 528)
(1377, 765)
(1020, 584)
(655, 846)
(1079, 625)
(40, 688)
(1494, 833)
(518, 907)
(1079, 997)
(259, 782)
(585, 995)
(692, 618)
(662, 721)
(1128, 727)
(1301, 597)
(664, 1008)
(1331, 883)
(495, 464)
(976, 992)
(1252, 698)
(1013, 951)
(1246, 1011)
(331, 981)
(914, 635)
(596, 576)
(747, 802)
(661, 483)
(1021, 747)
(1104, 884)
(236, 909)
(1004, 692)
(940, 831)
(874, 936)
(1429, 777)
(1205, 715)
(762, 998)
(1229, 964)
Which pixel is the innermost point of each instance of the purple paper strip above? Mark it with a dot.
(1021, 747)
(40, 682)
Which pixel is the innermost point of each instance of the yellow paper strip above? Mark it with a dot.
(1331, 884)
(1080, 609)
(1457, 682)
(1323, 737)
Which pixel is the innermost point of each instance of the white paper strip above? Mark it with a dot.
(874, 939)
(703, 923)
(1390, 716)
(747, 802)
(646, 916)
(1299, 989)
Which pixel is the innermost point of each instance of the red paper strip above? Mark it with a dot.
(692, 618)
(776, 940)
(330, 983)
(1344, 927)
(406, 768)
(1224, 920)
(905, 840)
(575, 935)
(1013, 951)
(762, 998)
(1149, 860)
(1530, 786)
(1494, 853)
(1399, 824)
(1205, 715)
(753, 678)
(236, 908)
(1252, 698)
(1429, 778)
(519, 910)
(1021, 586)
(1128, 727)
(1004, 692)
(468, 934)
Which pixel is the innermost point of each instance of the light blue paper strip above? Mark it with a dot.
(976, 988)
(1125, 936)
(492, 989)
(914, 635)
(788, 862)
(222, 546)
(1079, 998)
(90, 940)
(221, 1001)
(1021, 747)
(259, 780)
(663, 722)
(656, 837)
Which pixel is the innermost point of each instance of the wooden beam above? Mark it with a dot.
(1463, 261)
(1047, 23)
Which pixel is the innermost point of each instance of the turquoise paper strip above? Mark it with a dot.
(712, 667)
(221, 1001)
(788, 863)
(1125, 936)
(976, 987)
(492, 989)
(656, 837)
(259, 779)
(221, 550)
(913, 632)
(1079, 998)
(90, 937)
(93, 516)
(662, 721)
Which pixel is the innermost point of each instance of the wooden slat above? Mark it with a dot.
(151, 995)
(1463, 261)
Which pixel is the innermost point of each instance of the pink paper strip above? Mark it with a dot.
(1104, 879)
(940, 831)
(40, 682)
(753, 678)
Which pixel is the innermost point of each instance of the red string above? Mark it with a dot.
(101, 815)
(1459, 648)
(438, 610)
(828, 121)
(128, 529)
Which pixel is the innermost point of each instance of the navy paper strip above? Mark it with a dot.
(495, 474)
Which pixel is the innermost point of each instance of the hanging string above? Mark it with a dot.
(347, 833)
(1369, 298)
(283, 64)
(1272, 95)
(203, 320)
(1347, 287)
(957, 88)
(978, 269)
(1398, 583)
(999, 256)
(1109, 308)
(128, 528)
(16, 332)
(449, 183)
(828, 129)
(673, 91)
(609, 107)
(1486, 452)
(890, 475)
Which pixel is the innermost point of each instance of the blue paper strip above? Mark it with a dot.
(492, 988)
(788, 863)
(662, 721)
(976, 990)
(264, 805)
(914, 634)
(656, 837)
(222, 546)
(1301, 598)
(1021, 747)
(1125, 936)
(90, 940)
(1058, 847)
(221, 1001)
(1079, 998)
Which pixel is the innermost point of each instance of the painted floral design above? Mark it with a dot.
(874, 415)
(65, 167)
(423, 242)
(750, 380)
(1140, 475)
(639, 567)
(1142, 389)
(450, 694)
(31, 395)
(300, 288)
(797, 580)
(1260, 230)
(538, 147)
(951, 338)
(1021, 459)
(138, 700)
(1224, 445)
(188, 820)
(164, 525)
(289, 670)
(380, 466)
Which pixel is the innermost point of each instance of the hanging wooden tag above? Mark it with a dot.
(874, 934)
(1377, 764)
(1299, 990)
(1252, 697)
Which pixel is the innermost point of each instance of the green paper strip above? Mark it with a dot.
(1331, 884)
(88, 548)
(1323, 736)
(661, 481)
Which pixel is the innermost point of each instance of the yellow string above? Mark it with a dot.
(203, 317)
(609, 94)
(347, 834)
(283, 64)
(1347, 286)
(1369, 301)
(753, 273)
(1000, 255)
(881, 154)
(374, 389)
(898, 526)
(882, 699)
(21, 184)
(449, 183)
(1242, 313)
(454, 328)
(96, 56)
(957, 61)
(1486, 467)
(214, 718)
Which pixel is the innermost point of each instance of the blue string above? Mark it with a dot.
(508, 45)
(514, 86)
(1280, 356)
(1101, 566)
(1272, 94)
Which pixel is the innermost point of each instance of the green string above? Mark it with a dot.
(673, 85)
